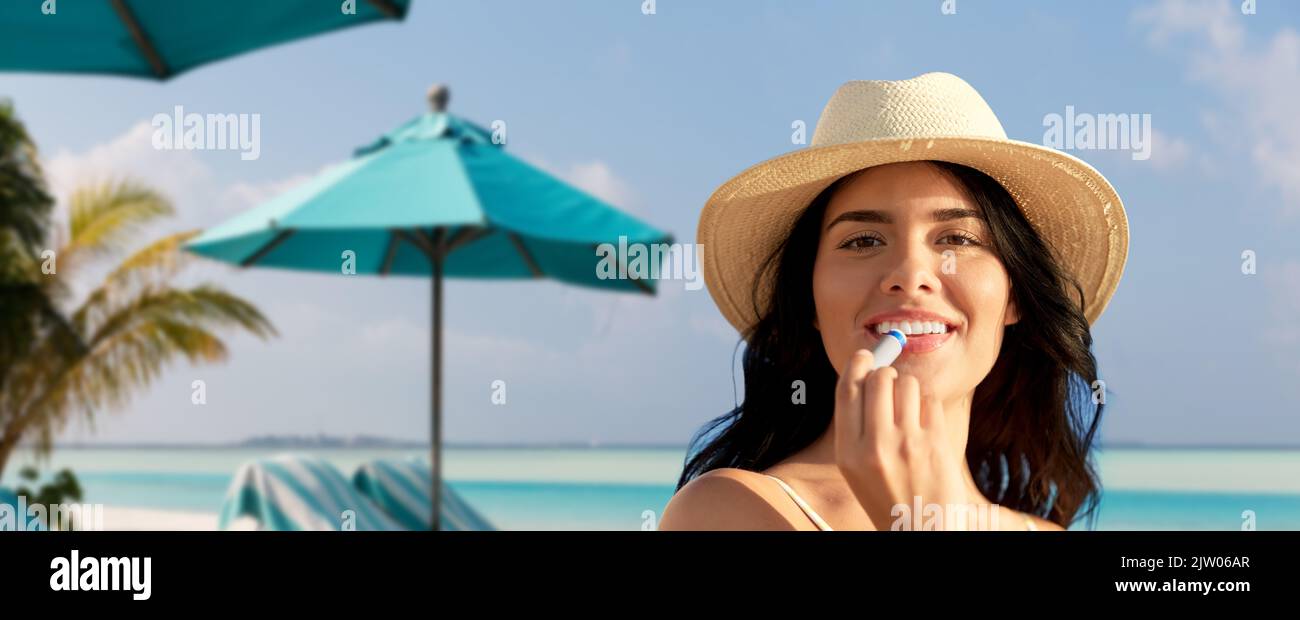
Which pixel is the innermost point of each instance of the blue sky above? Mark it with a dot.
(653, 112)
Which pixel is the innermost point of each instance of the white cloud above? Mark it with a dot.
(1168, 152)
(597, 178)
(1258, 81)
(181, 175)
(243, 195)
(1170, 18)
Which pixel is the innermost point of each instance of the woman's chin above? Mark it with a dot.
(920, 366)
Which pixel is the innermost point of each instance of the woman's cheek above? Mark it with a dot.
(984, 290)
(835, 300)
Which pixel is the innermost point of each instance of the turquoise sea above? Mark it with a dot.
(626, 489)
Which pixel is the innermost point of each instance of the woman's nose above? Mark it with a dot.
(914, 269)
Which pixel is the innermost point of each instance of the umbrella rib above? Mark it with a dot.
(387, 8)
(638, 282)
(525, 254)
(465, 236)
(645, 288)
(419, 241)
(141, 39)
(266, 249)
(390, 254)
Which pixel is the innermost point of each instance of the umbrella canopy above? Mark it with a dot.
(437, 197)
(163, 38)
(502, 217)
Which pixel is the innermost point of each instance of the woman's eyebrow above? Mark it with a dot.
(956, 213)
(881, 217)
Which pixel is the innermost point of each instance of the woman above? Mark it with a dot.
(913, 211)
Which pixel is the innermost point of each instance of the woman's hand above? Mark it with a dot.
(892, 446)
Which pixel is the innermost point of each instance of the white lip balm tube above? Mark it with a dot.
(890, 347)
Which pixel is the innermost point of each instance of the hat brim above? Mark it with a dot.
(1071, 206)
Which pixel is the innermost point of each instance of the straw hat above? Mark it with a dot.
(936, 116)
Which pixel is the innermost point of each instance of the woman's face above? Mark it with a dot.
(903, 243)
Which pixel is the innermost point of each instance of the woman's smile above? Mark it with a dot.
(916, 343)
(925, 331)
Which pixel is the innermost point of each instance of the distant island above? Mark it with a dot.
(325, 441)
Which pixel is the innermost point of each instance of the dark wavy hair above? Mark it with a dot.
(1033, 419)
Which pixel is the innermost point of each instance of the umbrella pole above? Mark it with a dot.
(436, 380)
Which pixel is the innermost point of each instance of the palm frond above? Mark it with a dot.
(149, 268)
(102, 216)
(157, 261)
(131, 347)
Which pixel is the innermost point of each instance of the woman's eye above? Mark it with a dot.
(861, 242)
(959, 239)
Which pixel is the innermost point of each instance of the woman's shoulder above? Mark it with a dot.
(1044, 524)
(726, 498)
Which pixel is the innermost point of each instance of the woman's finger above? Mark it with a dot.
(848, 397)
(907, 403)
(932, 415)
(878, 404)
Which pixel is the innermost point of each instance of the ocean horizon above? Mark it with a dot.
(626, 487)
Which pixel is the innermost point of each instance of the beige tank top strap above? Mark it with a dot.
(807, 510)
(824, 526)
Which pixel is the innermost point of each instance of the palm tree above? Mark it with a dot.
(84, 356)
(24, 216)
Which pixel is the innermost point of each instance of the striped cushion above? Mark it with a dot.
(404, 489)
(299, 493)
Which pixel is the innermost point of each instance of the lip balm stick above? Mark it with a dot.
(890, 347)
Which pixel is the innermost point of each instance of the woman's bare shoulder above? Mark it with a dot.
(1044, 524)
(724, 499)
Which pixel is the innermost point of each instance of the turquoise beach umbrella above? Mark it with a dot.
(163, 38)
(434, 198)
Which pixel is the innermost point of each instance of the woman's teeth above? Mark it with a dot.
(910, 328)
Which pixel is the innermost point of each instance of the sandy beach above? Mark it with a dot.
(120, 518)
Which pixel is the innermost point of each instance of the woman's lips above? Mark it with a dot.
(919, 343)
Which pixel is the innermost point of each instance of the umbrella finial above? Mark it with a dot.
(439, 95)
